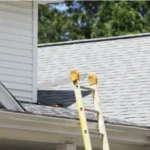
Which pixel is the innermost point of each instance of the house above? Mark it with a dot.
(18, 42)
(122, 65)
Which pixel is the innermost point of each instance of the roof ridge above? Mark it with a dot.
(95, 40)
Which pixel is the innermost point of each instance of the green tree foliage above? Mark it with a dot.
(92, 19)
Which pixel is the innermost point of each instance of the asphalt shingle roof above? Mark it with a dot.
(72, 114)
(122, 65)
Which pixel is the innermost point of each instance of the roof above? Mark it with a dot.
(72, 114)
(122, 65)
(31, 128)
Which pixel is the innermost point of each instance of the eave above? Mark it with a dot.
(29, 127)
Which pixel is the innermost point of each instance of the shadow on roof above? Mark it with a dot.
(63, 97)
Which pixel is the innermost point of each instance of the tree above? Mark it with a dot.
(92, 19)
(50, 27)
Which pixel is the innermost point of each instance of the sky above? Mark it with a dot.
(60, 7)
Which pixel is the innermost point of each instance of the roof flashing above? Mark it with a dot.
(8, 101)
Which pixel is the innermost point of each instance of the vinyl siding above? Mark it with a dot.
(17, 49)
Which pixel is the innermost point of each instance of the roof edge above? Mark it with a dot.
(32, 125)
(95, 40)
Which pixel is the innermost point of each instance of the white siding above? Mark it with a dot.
(18, 48)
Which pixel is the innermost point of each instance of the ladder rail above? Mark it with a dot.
(81, 112)
(101, 124)
(97, 110)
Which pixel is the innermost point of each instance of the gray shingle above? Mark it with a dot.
(123, 70)
(72, 114)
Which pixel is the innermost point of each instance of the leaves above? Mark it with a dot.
(92, 19)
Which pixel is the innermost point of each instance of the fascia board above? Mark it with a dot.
(128, 134)
(29, 127)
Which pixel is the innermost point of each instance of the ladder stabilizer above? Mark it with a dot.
(86, 88)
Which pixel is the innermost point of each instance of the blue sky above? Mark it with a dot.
(61, 6)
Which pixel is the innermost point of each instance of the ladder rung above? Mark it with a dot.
(90, 110)
(86, 88)
(96, 133)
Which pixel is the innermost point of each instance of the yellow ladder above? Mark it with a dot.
(92, 79)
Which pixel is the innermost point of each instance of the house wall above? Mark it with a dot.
(18, 39)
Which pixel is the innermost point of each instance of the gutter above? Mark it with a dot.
(35, 128)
